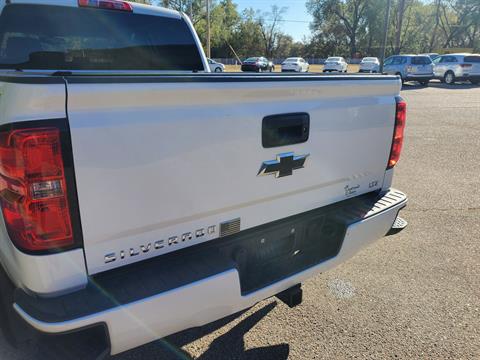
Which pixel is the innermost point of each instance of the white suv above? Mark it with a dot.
(457, 67)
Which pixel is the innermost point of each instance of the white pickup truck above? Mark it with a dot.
(142, 195)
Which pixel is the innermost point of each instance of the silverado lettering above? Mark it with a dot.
(159, 244)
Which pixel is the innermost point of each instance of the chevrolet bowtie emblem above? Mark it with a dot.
(283, 165)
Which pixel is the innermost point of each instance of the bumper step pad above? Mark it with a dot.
(397, 226)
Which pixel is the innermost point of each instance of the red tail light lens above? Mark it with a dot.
(33, 189)
(398, 133)
(106, 4)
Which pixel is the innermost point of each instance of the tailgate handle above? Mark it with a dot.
(285, 129)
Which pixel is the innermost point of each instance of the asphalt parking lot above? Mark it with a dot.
(415, 295)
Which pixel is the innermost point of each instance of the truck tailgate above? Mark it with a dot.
(161, 162)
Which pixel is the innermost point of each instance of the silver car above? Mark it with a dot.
(457, 67)
(369, 64)
(410, 67)
(335, 63)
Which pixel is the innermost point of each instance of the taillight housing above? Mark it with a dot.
(35, 195)
(106, 4)
(398, 132)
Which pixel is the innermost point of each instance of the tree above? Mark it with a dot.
(457, 20)
(371, 41)
(270, 28)
(245, 38)
(339, 27)
(195, 9)
(351, 14)
(433, 38)
(224, 21)
(398, 32)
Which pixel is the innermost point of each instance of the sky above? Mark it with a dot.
(296, 18)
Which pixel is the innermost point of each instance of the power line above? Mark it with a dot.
(278, 20)
(293, 21)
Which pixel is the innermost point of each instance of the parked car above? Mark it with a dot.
(215, 66)
(410, 68)
(457, 67)
(271, 65)
(258, 64)
(335, 63)
(137, 204)
(474, 71)
(296, 64)
(369, 64)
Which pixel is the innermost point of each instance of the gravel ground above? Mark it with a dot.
(415, 295)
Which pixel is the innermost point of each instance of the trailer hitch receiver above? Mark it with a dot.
(292, 296)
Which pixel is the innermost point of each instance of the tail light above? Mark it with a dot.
(106, 4)
(398, 132)
(34, 190)
(464, 66)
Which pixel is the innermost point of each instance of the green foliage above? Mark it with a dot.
(348, 26)
(339, 27)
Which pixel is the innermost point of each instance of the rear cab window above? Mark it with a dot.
(70, 38)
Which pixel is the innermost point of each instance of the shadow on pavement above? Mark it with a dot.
(230, 345)
(439, 85)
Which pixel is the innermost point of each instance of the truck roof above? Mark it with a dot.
(137, 8)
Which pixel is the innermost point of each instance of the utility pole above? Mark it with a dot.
(208, 29)
(234, 53)
(385, 32)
